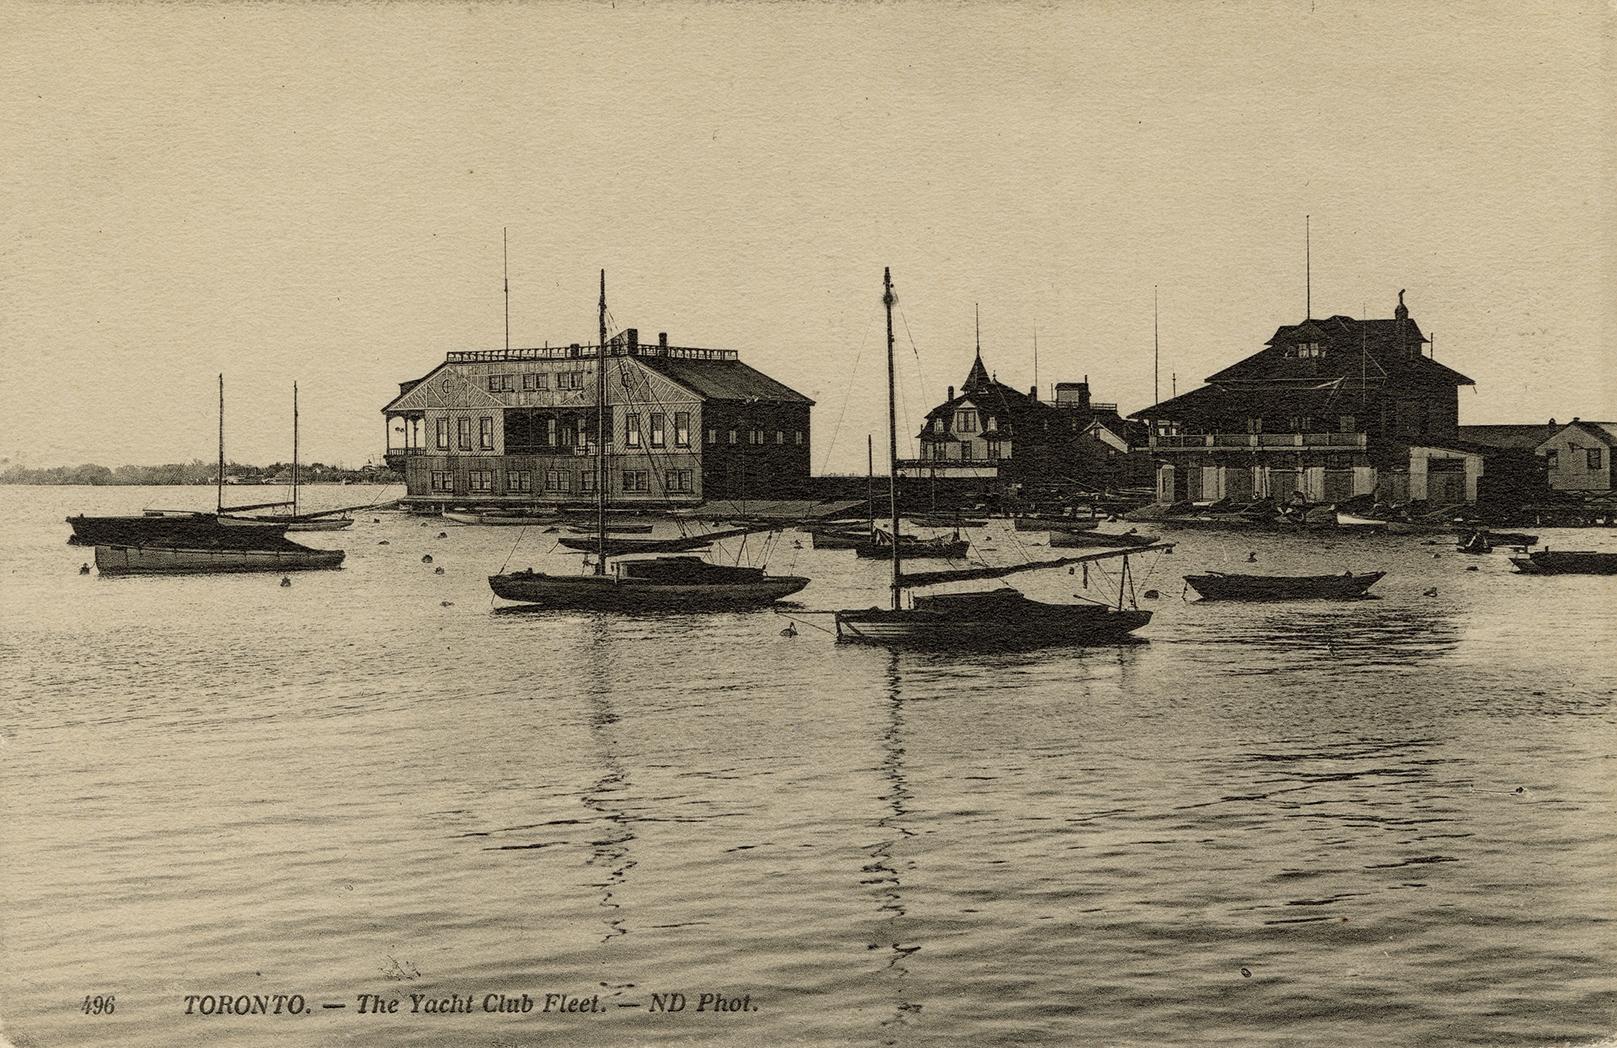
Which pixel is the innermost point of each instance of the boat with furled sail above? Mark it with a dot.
(997, 618)
(662, 584)
(914, 547)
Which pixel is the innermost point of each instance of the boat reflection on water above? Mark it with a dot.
(612, 831)
(889, 862)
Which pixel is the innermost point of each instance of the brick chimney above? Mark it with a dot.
(662, 340)
(634, 339)
(951, 392)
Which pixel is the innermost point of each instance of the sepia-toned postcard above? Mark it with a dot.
(754, 524)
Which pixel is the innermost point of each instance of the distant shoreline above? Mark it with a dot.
(197, 474)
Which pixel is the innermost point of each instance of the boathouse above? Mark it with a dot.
(505, 426)
(1328, 410)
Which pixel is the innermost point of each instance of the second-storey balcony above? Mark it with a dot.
(1256, 442)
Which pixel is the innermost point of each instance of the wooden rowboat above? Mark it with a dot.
(1216, 585)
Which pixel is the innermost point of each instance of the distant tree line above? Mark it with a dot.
(196, 472)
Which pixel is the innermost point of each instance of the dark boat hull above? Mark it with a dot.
(1053, 524)
(708, 588)
(1571, 562)
(170, 560)
(1096, 539)
(821, 539)
(188, 531)
(995, 621)
(1283, 587)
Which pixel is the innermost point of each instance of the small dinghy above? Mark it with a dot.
(1217, 585)
(1566, 562)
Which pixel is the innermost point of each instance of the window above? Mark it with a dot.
(569, 380)
(965, 420)
(993, 449)
(480, 480)
(1306, 350)
(1594, 458)
(780, 436)
(758, 437)
(586, 481)
(1346, 424)
(557, 479)
(463, 433)
(658, 439)
(443, 434)
(518, 481)
(631, 429)
(682, 429)
(798, 438)
(550, 431)
(1254, 425)
(732, 436)
(965, 451)
(443, 480)
(636, 480)
(501, 383)
(679, 481)
(712, 436)
(1551, 458)
(532, 381)
(485, 433)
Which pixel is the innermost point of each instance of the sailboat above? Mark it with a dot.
(325, 520)
(994, 618)
(168, 541)
(656, 584)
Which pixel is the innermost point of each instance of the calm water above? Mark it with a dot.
(1380, 823)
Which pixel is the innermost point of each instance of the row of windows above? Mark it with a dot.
(659, 429)
(463, 434)
(560, 481)
(1307, 424)
(938, 452)
(755, 437)
(533, 381)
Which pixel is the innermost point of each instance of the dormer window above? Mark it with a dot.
(1306, 350)
(965, 420)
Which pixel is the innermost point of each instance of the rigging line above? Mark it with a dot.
(847, 393)
(520, 532)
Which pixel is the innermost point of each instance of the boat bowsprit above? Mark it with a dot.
(1217, 585)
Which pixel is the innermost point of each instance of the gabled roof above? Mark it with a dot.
(1353, 349)
(1525, 437)
(722, 379)
(1605, 432)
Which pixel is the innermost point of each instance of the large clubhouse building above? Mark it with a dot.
(1328, 410)
(518, 426)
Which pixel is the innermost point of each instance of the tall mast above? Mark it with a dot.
(1156, 352)
(600, 439)
(892, 427)
(294, 449)
(220, 503)
(1308, 273)
(505, 260)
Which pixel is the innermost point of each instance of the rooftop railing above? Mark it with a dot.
(487, 356)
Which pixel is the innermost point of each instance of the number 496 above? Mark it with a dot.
(99, 1004)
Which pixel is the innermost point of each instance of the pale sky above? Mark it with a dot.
(316, 193)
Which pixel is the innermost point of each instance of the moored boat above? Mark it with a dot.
(1098, 539)
(1217, 585)
(282, 556)
(1566, 562)
(995, 619)
(660, 585)
(914, 547)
